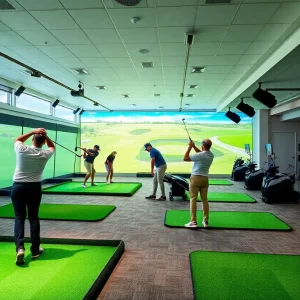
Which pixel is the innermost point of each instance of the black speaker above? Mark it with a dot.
(20, 90)
(233, 116)
(246, 109)
(265, 98)
(54, 104)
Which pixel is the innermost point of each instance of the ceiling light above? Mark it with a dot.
(80, 92)
(246, 109)
(125, 96)
(133, 104)
(19, 91)
(129, 2)
(144, 51)
(156, 95)
(80, 71)
(54, 104)
(147, 64)
(96, 104)
(233, 116)
(198, 69)
(76, 110)
(101, 87)
(265, 98)
(187, 104)
(82, 111)
(190, 95)
(189, 38)
(193, 86)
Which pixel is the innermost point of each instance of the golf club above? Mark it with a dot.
(186, 129)
(63, 146)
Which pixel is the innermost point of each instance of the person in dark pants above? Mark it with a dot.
(109, 167)
(26, 191)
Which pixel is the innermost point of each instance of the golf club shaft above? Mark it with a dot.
(186, 130)
(63, 147)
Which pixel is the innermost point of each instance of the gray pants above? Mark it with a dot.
(159, 174)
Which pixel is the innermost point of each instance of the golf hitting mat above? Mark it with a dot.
(247, 276)
(101, 188)
(68, 269)
(65, 212)
(228, 220)
(220, 182)
(225, 197)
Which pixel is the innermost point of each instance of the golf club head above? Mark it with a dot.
(76, 148)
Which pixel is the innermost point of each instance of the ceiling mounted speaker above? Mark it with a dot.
(233, 116)
(246, 109)
(128, 2)
(265, 98)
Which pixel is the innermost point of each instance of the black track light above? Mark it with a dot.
(246, 109)
(82, 111)
(80, 92)
(233, 116)
(76, 110)
(19, 91)
(264, 97)
(54, 104)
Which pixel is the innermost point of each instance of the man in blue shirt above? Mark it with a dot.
(158, 161)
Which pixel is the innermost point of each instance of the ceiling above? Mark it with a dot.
(232, 41)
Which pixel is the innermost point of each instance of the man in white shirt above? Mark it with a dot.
(27, 191)
(199, 180)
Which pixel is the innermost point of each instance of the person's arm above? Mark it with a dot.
(196, 149)
(87, 152)
(23, 138)
(84, 155)
(152, 165)
(50, 144)
(187, 153)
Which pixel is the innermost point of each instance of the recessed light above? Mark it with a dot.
(156, 95)
(147, 64)
(101, 87)
(125, 95)
(144, 51)
(193, 86)
(198, 70)
(190, 95)
(80, 71)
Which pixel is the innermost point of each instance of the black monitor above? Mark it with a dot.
(247, 148)
(269, 149)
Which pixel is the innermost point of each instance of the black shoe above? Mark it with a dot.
(162, 198)
(152, 197)
(37, 254)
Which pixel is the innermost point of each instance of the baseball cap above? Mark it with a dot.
(97, 147)
(146, 145)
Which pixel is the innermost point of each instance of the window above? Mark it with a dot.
(33, 103)
(3, 96)
(64, 113)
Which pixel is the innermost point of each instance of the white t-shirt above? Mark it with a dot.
(31, 162)
(202, 162)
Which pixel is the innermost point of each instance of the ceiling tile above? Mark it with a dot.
(112, 50)
(241, 68)
(174, 16)
(58, 51)
(258, 47)
(173, 61)
(40, 4)
(133, 49)
(122, 17)
(176, 2)
(10, 38)
(173, 49)
(84, 50)
(255, 13)
(173, 34)
(287, 13)
(233, 48)
(3, 27)
(39, 37)
(28, 52)
(55, 19)
(209, 33)
(103, 36)
(71, 37)
(200, 61)
(243, 33)
(150, 71)
(218, 69)
(95, 62)
(174, 76)
(109, 77)
(214, 76)
(204, 48)
(271, 32)
(155, 60)
(91, 18)
(248, 59)
(173, 70)
(103, 71)
(225, 60)
(126, 71)
(79, 4)
(215, 14)
(119, 62)
(20, 20)
(139, 35)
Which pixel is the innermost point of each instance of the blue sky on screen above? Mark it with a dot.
(159, 117)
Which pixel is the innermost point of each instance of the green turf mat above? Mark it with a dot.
(247, 276)
(113, 189)
(225, 197)
(220, 182)
(68, 212)
(228, 220)
(64, 271)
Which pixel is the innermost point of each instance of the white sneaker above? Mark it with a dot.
(84, 185)
(191, 224)
(108, 182)
(20, 257)
(205, 223)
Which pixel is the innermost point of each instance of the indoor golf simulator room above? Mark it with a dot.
(150, 149)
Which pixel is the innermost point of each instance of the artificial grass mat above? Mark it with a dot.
(225, 197)
(62, 272)
(68, 212)
(219, 182)
(75, 188)
(228, 220)
(247, 276)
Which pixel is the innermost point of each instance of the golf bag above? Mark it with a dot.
(178, 186)
(253, 178)
(278, 187)
(239, 169)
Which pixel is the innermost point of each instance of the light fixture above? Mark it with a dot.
(233, 116)
(133, 104)
(19, 91)
(156, 95)
(82, 111)
(76, 110)
(189, 38)
(246, 109)
(144, 51)
(147, 64)
(189, 95)
(80, 92)
(101, 87)
(125, 96)
(54, 104)
(198, 69)
(187, 104)
(96, 104)
(161, 107)
(36, 74)
(193, 86)
(80, 71)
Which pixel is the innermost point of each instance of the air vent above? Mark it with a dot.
(125, 96)
(190, 95)
(128, 2)
(147, 64)
(4, 5)
(193, 86)
(156, 95)
(101, 87)
(144, 51)
(217, 1)
(80, 71)
(198, 70)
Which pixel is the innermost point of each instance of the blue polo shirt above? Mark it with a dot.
(159, 160)
(90, 159)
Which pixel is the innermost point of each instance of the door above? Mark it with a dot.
(284, 147)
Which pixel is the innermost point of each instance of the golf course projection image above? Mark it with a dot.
(127, 132)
